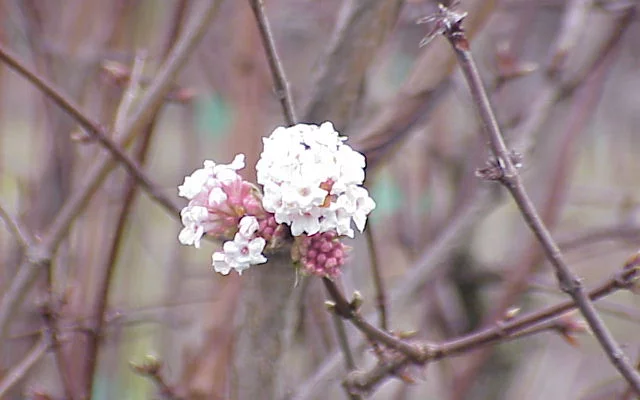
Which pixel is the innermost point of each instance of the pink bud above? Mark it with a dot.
(331, 263)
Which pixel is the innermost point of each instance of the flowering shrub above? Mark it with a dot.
(311, 183)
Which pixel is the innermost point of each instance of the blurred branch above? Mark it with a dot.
(614, 232)
(343, 343)
(428, 81)
(40, 256)
(280, 83)
(51, 317)
(92, 127)
(152, 369)
(508, 175)
(361, 29)
(610, 307)
(16, 227)
(106, 269)
(121, 76)
(573, 24)
(381, 297)
(21, 369)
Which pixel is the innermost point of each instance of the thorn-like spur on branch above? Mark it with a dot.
(449, 24)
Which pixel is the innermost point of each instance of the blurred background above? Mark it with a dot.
(454, 252)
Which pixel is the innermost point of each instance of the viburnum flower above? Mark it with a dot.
(244, 251)
(223, 205)
(312, 180)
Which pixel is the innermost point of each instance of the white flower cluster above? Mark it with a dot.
(204, 190)
(244, 251)
(312, 180)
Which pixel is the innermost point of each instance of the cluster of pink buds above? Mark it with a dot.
(312, 187)
(322, 254)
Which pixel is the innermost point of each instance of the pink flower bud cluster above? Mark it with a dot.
(224, 206)
(218, 198)
(270, 229)
(322, 254)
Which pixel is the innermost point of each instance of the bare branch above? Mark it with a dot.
(381, 297)
(510, 178)
(280, 83)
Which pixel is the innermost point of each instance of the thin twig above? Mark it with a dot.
(419, 96)
(627, 313)
(614, 232)
(501, 331)
(350, 311)
(152, 369)
(16, 227)
(280, 83)
(92, 127)
(343, 342)
(381, 297)
(510, 178)
(24, 366)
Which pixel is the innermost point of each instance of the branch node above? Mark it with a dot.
(330, 305)
(38, 256)
(448, 22)
(571, 285)
(356, 302)
(496, 168)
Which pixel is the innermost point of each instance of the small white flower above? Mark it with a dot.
(248, 226)
(194, 183)
(217, 196)
(193, 219)
(220, 264)
(305, 222)
(211, 175)
(239, 254)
